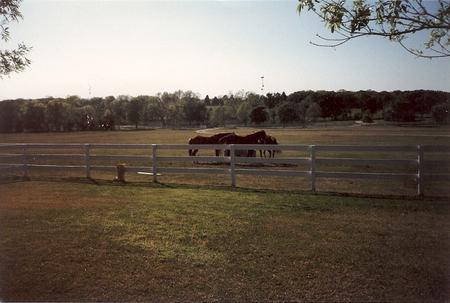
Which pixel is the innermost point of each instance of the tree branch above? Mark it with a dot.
(395, 20)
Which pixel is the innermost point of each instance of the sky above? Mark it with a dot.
(144, 47)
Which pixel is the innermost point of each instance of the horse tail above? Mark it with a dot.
(190, 141)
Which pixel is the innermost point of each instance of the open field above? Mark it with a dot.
(67, 238)
(77, 240)
(340, 135)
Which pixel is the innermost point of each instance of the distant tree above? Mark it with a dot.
(86, 118)
(68, 122)
(11, 61)
(194, 111)
(118, 109)
(80, 118)
(133, 108)
(401, 111)
(328, 103)
(313, 112)
(215, 102)
(258, 115)
(286, 112)
(222, 115)
(349, 101)
(108, 118)
(302, 108)
(218, 116)
(254, 100)
(158, 109)
(168, 107)
(243, 112)
(272, 100)
(146, 113)
(367, 117)
(173, 107)
(422, 101)
(272, 115)
(299, 96)
(207, 101)
(232, 103)
(395, 20)
(34, 118)
(440, 112)
(368, 101)
(11, 117)
(55, 114)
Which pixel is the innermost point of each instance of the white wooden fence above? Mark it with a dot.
(17, 157)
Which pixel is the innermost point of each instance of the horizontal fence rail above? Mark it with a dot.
(18, 157)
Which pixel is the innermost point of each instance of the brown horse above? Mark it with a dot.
(253, 138)
(214, 139)
(269, 140)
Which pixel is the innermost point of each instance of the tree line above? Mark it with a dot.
(169, 110)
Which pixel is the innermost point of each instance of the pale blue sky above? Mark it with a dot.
(100, 48)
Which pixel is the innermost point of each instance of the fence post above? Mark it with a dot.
(421, 171)
(154, 164)
(25, 163)
(232, 166)
(88, 161)
(313, 167)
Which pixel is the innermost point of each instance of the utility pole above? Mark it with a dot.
(262, 86)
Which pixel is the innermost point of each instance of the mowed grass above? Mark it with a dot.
(194, 238)
(74, 239)
(338, 135)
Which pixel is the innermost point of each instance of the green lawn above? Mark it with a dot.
(339, 135)
(79, 240)
(195, 238)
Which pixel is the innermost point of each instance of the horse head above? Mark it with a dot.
(258, 136)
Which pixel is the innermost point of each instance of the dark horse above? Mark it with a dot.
(206, 140)
(269, 140)
(253, 138)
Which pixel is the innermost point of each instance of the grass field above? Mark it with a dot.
(340, 135)
(75, 240)
(66, 238)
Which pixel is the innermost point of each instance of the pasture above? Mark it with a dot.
(194, 238)
(344, 135)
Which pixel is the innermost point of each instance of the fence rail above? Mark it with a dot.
(17, 157)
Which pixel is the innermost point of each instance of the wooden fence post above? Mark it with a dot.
(154, 164)
(313, 167)
(88, 161)
(232, 166)
(421, 171)
(25, 163)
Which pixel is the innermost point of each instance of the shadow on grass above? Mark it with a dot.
(220, 188)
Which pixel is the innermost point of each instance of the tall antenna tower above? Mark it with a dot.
(262, 85)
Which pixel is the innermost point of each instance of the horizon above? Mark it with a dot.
(112, 48)
(212, 97)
